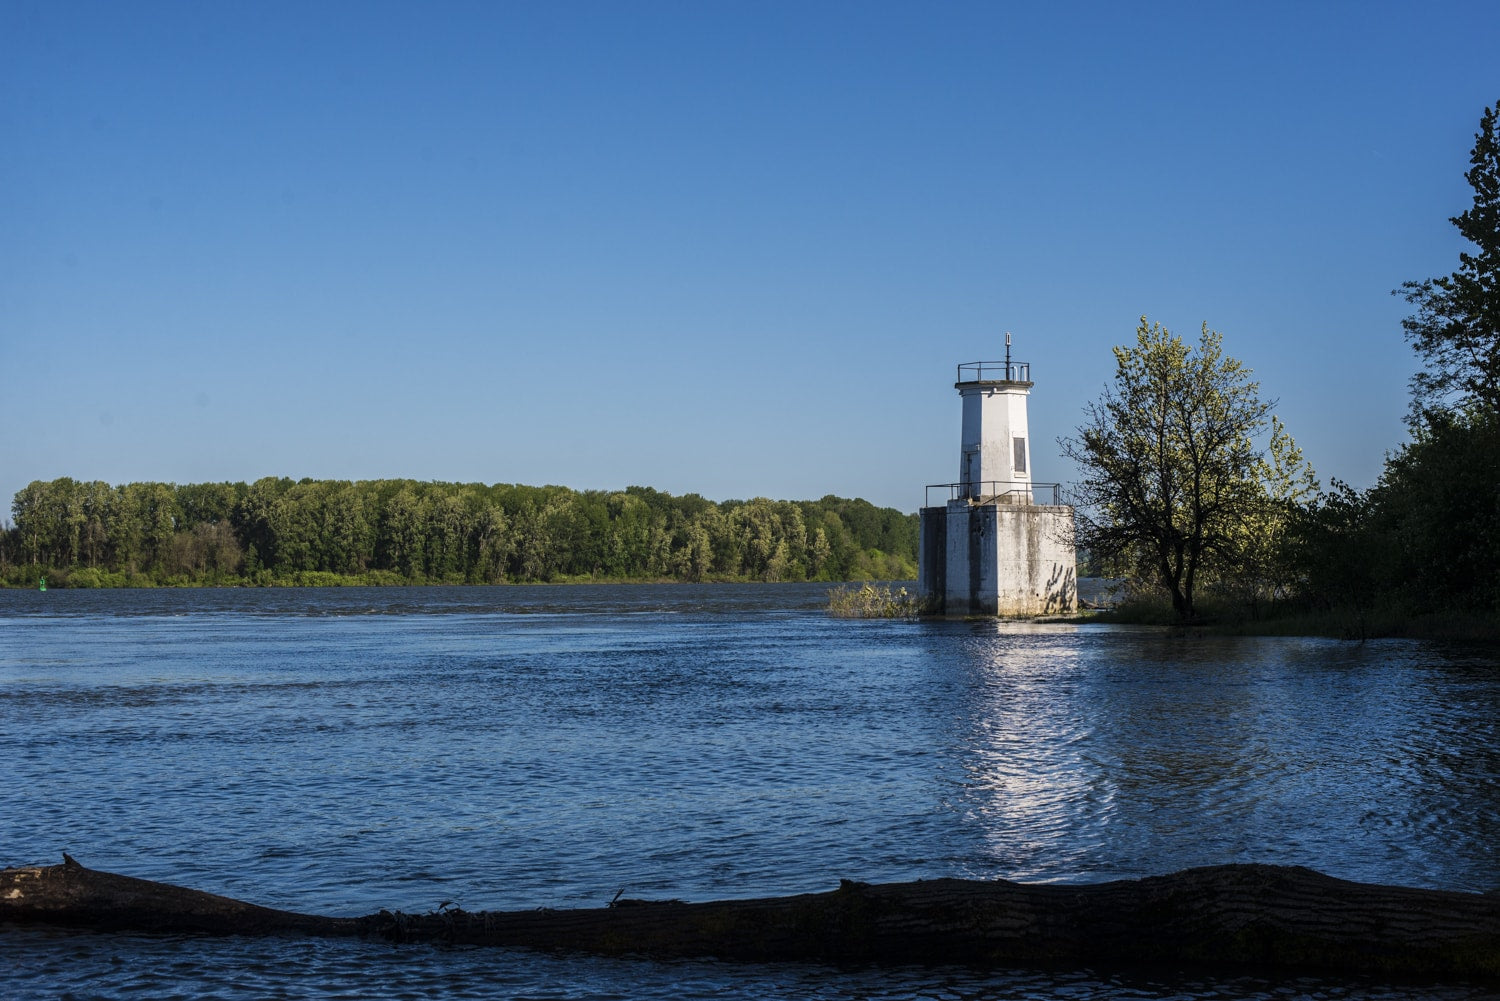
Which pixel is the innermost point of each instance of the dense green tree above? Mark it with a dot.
(208, 551)
(1173, 483)
(349, 540)
(696, 555)
(37, 524)
(1456, 328)
(98, 501)
(446, 533)
(818, 553)
(493, 545)
(401, 533)
(148, 519)
(1337, 553)
(1438, 504)
(277, 529)
(1426, 537)
(253, 520)
(1434, 514)
(1263, 562)
(210, 502)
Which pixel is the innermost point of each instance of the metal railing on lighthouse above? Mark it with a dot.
(999, 492)
(995, 371)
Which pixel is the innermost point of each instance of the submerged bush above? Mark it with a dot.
(869, 601)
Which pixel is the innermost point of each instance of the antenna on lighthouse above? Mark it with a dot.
(1007, 354)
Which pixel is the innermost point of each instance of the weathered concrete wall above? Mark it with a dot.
(971, 559)
(956, 579)
(1037, 566)
(999, 559)
(932, 554)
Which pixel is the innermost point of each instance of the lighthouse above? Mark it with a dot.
(995, 461)
(998, 543)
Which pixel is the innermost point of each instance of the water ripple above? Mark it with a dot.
(366, 750)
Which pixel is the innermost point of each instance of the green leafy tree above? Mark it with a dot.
(207, 551)
(402, 533)
(1426, 536)
(1264, 562)
(98, 507)
(1173, 485)
(543, 533)
(1434, 515)
(697, 553)
(447, 531)
(210, 502)
(1437, 504)
(253, 519)
(493, 544)
(347, 540)
(818, 553)
(276, 530)
(146, 525)
(1343, 560)
(34, 521)
(1456, 328)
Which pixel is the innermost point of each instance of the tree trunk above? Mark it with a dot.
(1226, 918)
(72, 895)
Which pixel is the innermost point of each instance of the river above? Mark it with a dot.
(342, 750)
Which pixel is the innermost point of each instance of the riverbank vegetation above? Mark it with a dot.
(1296, 616)
(330, 532)
(874, 601)
(1176, 496)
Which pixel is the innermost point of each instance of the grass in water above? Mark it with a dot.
(871, 601)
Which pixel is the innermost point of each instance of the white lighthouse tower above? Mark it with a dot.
(1000, 544)
(995, 461)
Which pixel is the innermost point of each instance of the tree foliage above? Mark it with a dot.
(1174, 488)
(1456, 328)
(405, 530)
(1426, 536)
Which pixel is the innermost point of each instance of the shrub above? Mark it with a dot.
(869, 601)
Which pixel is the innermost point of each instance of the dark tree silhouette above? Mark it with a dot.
(1456, 328)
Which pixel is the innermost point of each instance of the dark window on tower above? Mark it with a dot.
(1020, 444)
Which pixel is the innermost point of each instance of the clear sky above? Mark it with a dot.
(730, 248)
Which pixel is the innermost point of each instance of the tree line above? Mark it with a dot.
(1190, 485)
(1427, 534)
(278, 530)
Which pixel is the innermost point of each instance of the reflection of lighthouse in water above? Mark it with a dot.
(1001, 544)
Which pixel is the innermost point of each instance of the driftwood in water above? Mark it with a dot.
(1225, 917)
(72, 895)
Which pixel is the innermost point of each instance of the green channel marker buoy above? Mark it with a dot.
(43, 585)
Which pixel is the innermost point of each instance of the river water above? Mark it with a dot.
(343, 750)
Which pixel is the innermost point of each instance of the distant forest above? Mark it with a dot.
(309, 532)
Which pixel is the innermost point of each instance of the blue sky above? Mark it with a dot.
(727, 248)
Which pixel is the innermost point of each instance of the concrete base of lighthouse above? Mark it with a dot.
(998, 559)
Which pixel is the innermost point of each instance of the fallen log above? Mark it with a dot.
(75, 896)
(1230, 918)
